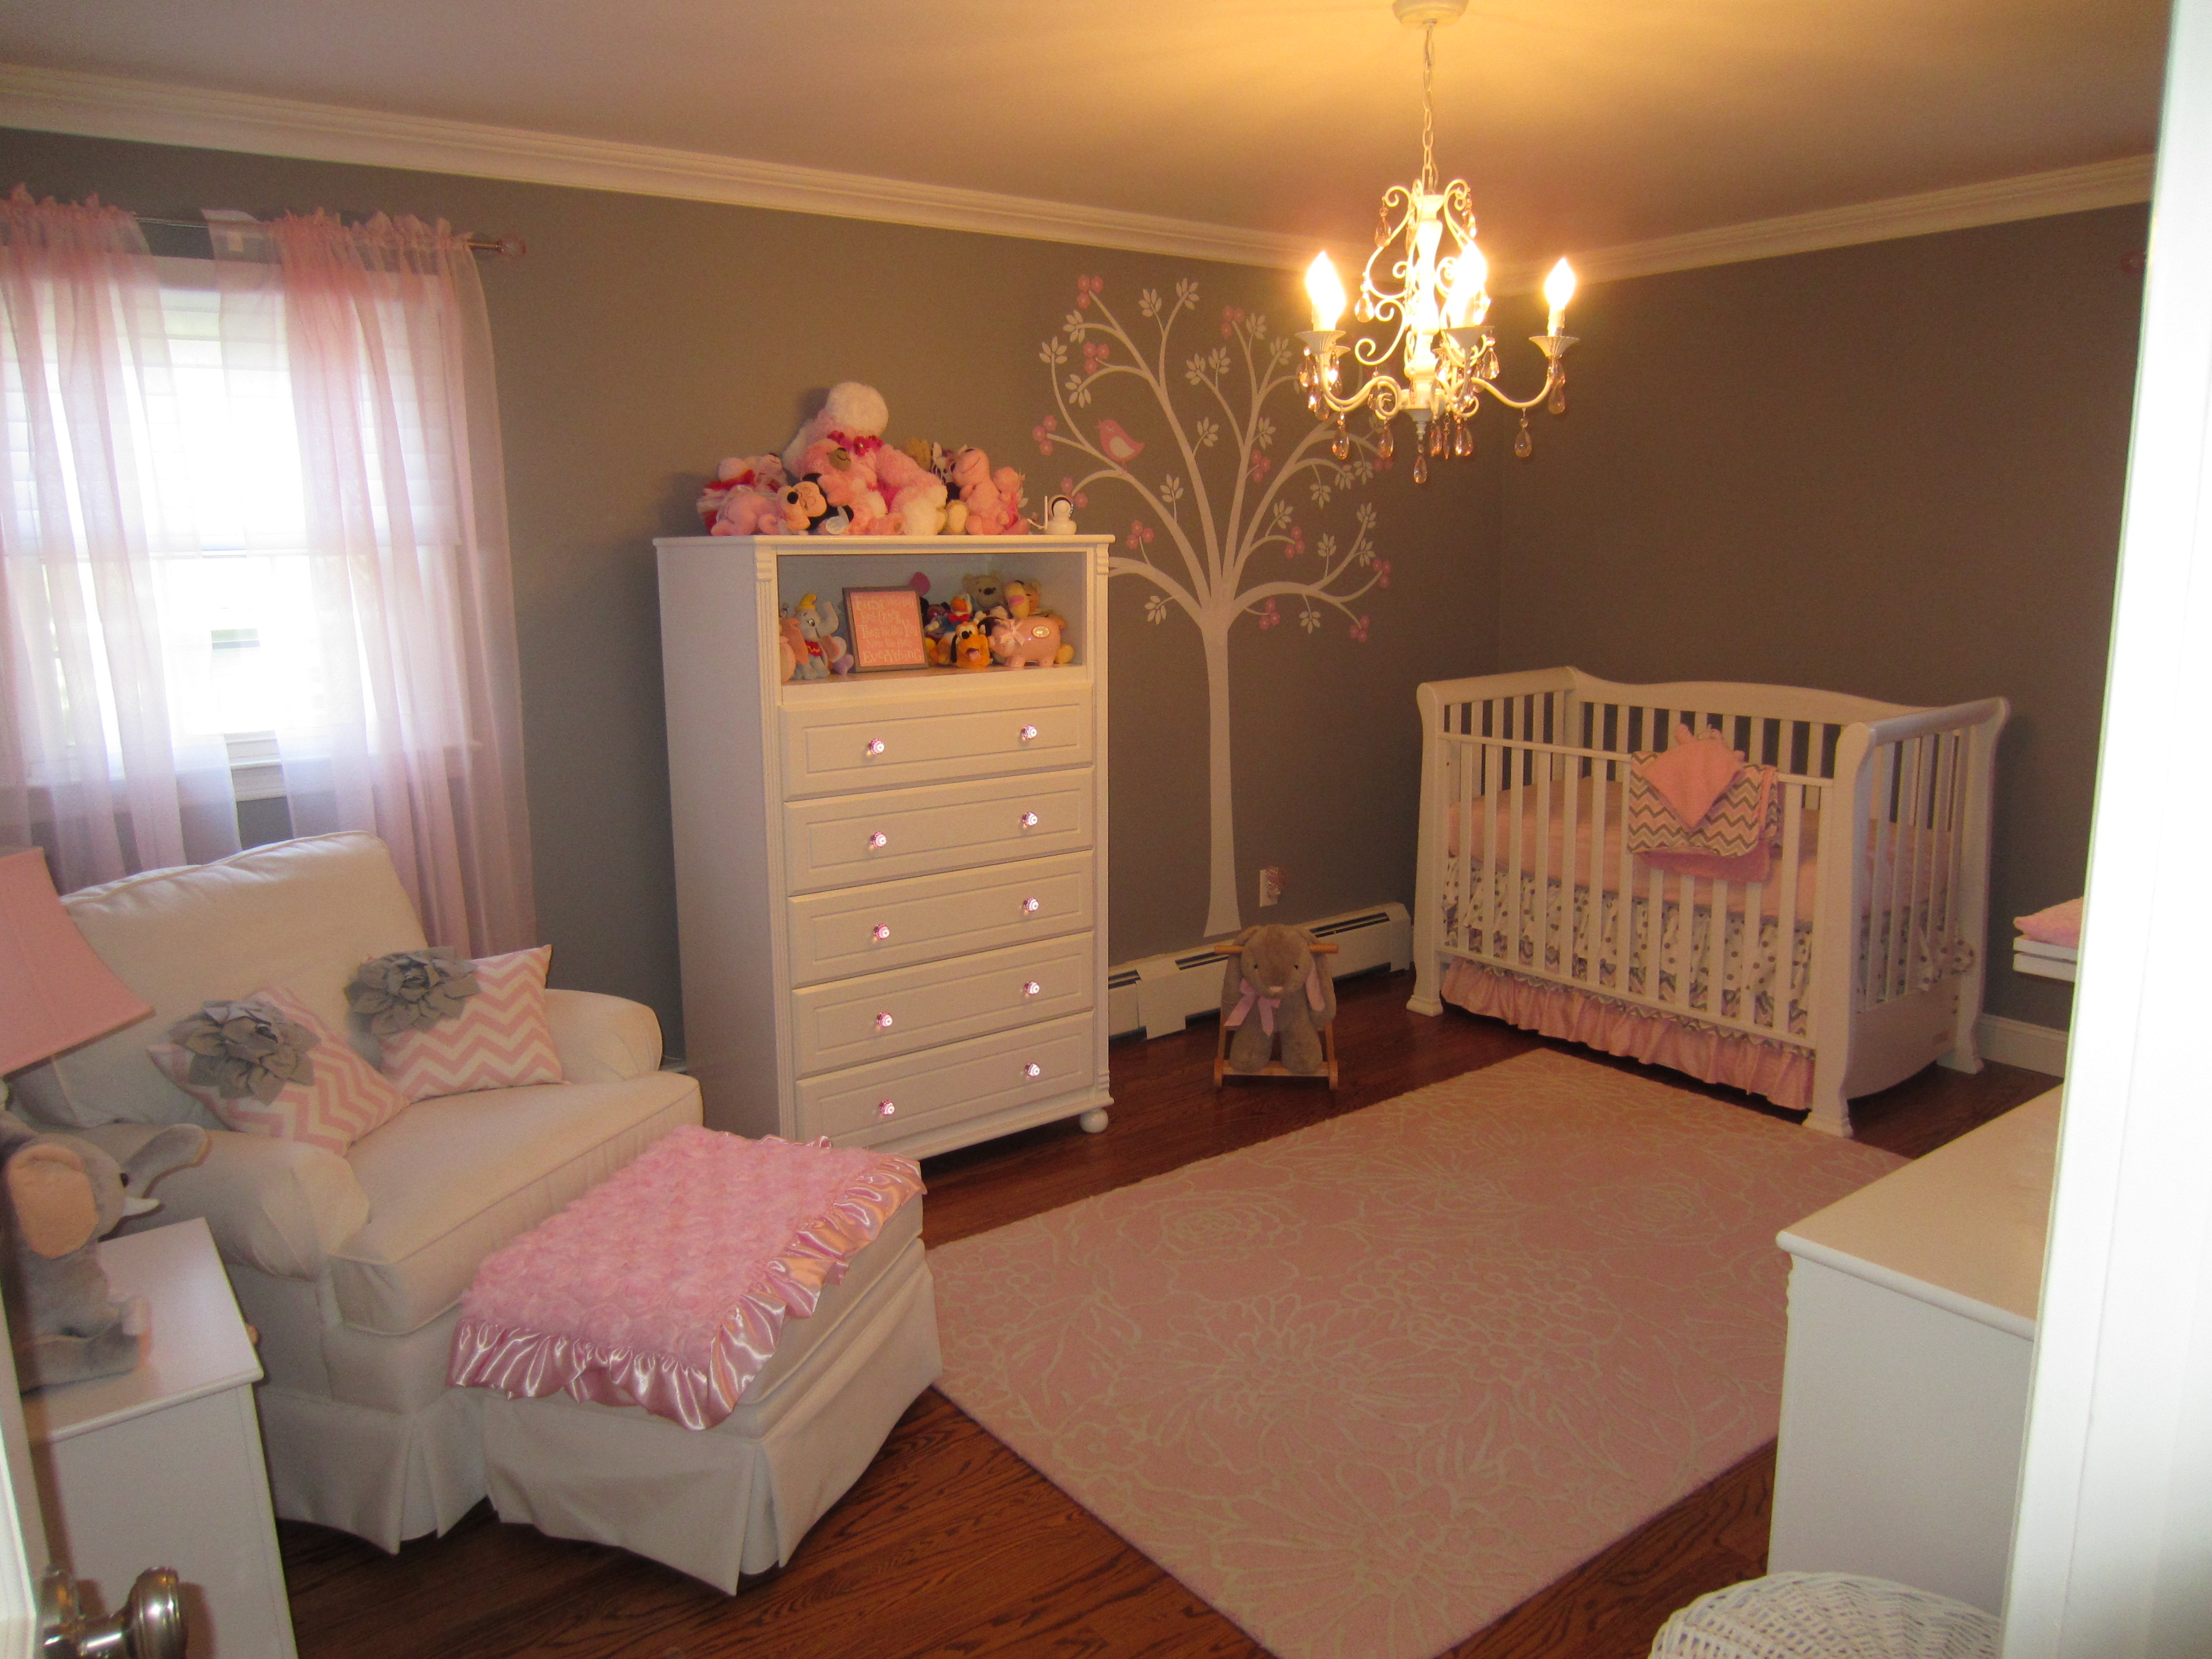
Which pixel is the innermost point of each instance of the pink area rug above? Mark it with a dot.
(1366, 1387)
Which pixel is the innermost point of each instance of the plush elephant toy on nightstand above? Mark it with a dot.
(1275, 987)
(59, 1195)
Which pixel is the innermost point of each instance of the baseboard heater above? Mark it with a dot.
(1158, 995)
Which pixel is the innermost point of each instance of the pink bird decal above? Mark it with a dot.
(1119, 445)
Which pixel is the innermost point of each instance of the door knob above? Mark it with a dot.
(151, 1625)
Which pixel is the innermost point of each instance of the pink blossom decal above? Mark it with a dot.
(1297, 544)
(1067, 489)
(1139, 533)
(1381, 572)
(1042, 432)
(1269, 616)
(1094, 356)
(1230, 316)
(1262, 466)
(1084, 288)
(1359, 630)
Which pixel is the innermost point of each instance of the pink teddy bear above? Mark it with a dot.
(847, 477)
(994, 499)
(746, 498)
(916, 495)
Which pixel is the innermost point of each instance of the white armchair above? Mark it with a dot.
(352, 1267)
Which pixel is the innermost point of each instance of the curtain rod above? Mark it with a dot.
(507, 248)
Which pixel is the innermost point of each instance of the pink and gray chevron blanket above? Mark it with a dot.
(1699, 809)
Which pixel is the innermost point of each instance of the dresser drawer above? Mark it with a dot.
(849, 839)
(958, 1081)
(863, 930)
(877, 745)
(853, 1021)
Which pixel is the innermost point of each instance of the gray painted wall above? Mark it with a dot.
(643, 339)
(1894, 470)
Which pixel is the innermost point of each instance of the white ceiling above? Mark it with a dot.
(1580, 123)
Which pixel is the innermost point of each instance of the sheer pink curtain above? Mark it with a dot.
(383, 331)
(92, 766)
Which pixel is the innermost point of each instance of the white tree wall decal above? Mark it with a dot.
(1221, 500)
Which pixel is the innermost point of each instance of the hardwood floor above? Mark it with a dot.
(951, 1544)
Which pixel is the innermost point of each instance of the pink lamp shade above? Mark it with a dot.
(54, 992)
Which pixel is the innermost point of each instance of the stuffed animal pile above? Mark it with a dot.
(990, 622)
(838, 478)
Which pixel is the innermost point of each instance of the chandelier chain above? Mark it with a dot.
(1428, 108)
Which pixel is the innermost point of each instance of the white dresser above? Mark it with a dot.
(1912, 1308)
(891, 887)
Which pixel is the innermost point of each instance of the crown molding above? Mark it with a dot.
(115, 106)
(2000, 201)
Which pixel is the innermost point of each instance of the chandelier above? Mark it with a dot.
(1435, 313)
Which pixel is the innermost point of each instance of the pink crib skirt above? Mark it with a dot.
(1782, 1074)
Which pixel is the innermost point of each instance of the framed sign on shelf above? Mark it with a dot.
(886, 628)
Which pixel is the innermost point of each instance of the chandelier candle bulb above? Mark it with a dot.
(1558, 288)
(1326, 289)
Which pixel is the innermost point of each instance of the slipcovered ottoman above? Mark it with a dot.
(697, 1358)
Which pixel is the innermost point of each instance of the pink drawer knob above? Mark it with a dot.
(1033, 1070)
(880, 932)
(875, 746)
(882, 1021)
(1028, 734)
(878, 842)
(1029, 820)
(886, 1109)
(1031, 907)
(1030, 987)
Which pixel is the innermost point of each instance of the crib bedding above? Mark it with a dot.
(1750, 961)
(1549, 841)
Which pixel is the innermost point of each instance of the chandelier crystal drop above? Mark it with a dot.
(1434, 314)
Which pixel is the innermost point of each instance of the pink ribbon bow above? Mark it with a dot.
(1248, 994)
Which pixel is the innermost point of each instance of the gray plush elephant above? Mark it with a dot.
(60, 1196)
(1275, 989)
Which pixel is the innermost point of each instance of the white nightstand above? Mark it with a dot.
(162, 1466)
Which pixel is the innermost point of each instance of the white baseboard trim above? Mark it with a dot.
(2016, 1043)
(1159, 994)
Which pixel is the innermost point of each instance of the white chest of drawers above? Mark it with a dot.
(891, 888)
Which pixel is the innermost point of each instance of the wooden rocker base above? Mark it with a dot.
(1275, 1067)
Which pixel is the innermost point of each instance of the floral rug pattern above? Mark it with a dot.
(1367, 1386)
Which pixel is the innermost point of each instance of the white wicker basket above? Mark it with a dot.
(1825, 1615)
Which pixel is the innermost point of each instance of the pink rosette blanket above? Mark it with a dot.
(667, 1286)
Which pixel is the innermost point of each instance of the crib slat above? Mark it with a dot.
(1547, 931)
(1906, 859)
(1866, 975)
(1918, 891)
(1493, 763)
(1785, 927)
(1469, 865)
(1716, 950)
(1570, 866)
(1953, 827)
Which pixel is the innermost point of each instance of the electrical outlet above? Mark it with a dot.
(1272, 879)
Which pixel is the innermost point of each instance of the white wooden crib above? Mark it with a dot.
(1837, 976)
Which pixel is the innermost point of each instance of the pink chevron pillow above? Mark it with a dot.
(343, 1101)
(501, 1039)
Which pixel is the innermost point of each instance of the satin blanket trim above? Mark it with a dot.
(671, 1250)
(1782, 1074)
